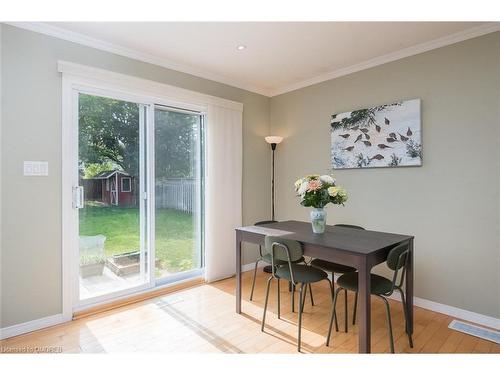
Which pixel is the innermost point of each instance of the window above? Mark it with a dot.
(126, 185)
(107, 185)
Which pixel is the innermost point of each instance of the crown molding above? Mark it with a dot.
(85, 40)
(82, 39)
(473, 32)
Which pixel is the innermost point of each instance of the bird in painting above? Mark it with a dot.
(367, 136)
(377, 157)
(345, 136)
(386, 120)
(392, 135)
(364, 130)
(382, 146)
(367, 143)
(377, 128)
(358, 138)
(350, 148)
(409, 132)
(390, 140)
(354, 128)
(403, 138)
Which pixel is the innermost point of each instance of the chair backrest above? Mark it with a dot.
(397, 257)
(349, 226)
(283, 249)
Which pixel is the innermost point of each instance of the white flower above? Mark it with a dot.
(326, 179)
(298, 183)
(303, 188)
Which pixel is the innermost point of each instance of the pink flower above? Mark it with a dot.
(314, 185)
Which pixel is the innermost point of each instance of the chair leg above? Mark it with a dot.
(265, 304)
(301, 307)
(332, 316)
(293, 297)
(389, 323)
(278, 298)
(355, 308)
(345, 310)
(333, 292)
(403, 300)
(311, 294)
(254, 277)
(304, 295)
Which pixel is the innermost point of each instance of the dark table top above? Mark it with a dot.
(341, 238)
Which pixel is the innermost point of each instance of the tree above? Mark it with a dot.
(109, 138)
(109, 132)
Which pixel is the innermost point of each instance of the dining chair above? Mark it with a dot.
(335, 268)
(285, 254)
(266, 258)
(381, 287)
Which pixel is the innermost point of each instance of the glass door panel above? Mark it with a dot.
(112, 208)
(178, 198)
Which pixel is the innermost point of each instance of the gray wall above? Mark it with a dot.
(452, 203)
(31, 207)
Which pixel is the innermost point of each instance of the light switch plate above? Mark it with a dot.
(36, 168)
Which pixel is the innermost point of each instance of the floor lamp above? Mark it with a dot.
(273, 140)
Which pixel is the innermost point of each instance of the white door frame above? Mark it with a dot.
(78, 78)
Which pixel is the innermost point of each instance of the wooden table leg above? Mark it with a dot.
(238, 273)
(364, 309)
(409, 287)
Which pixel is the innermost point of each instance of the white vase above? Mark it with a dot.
(318, 220)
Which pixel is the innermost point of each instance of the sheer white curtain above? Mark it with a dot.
(223, 188)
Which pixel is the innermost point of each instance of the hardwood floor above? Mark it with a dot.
(202, 319)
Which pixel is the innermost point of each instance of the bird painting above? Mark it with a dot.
(382, 146)
(386, 135)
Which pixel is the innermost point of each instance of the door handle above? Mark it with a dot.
(78, 197)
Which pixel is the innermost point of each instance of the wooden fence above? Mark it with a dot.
(178, 194)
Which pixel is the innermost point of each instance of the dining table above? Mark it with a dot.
(361, 249)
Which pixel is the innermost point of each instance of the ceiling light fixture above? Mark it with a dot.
(241, 47)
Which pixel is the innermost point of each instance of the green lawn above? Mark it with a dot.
(175, 237)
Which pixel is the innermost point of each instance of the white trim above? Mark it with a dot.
(160, 93)
(460, 36)
(102, 45)
(60, 33)
(453, 311)
(33, 325)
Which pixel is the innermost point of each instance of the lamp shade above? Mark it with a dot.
(273, 139)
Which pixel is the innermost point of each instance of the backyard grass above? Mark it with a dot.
(175, 237)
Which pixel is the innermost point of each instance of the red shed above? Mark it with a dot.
(118, 188)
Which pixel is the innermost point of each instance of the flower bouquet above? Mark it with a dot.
(317, 191)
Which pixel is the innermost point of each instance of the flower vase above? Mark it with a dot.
(318, 220)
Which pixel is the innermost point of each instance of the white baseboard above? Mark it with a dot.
(456, 312)
(33, 325)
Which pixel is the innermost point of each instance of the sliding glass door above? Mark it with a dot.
(138, 195)
(112, 211)
(178, 193)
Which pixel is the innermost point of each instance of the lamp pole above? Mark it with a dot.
(273, 147)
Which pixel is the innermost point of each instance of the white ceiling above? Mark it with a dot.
(280, 56)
